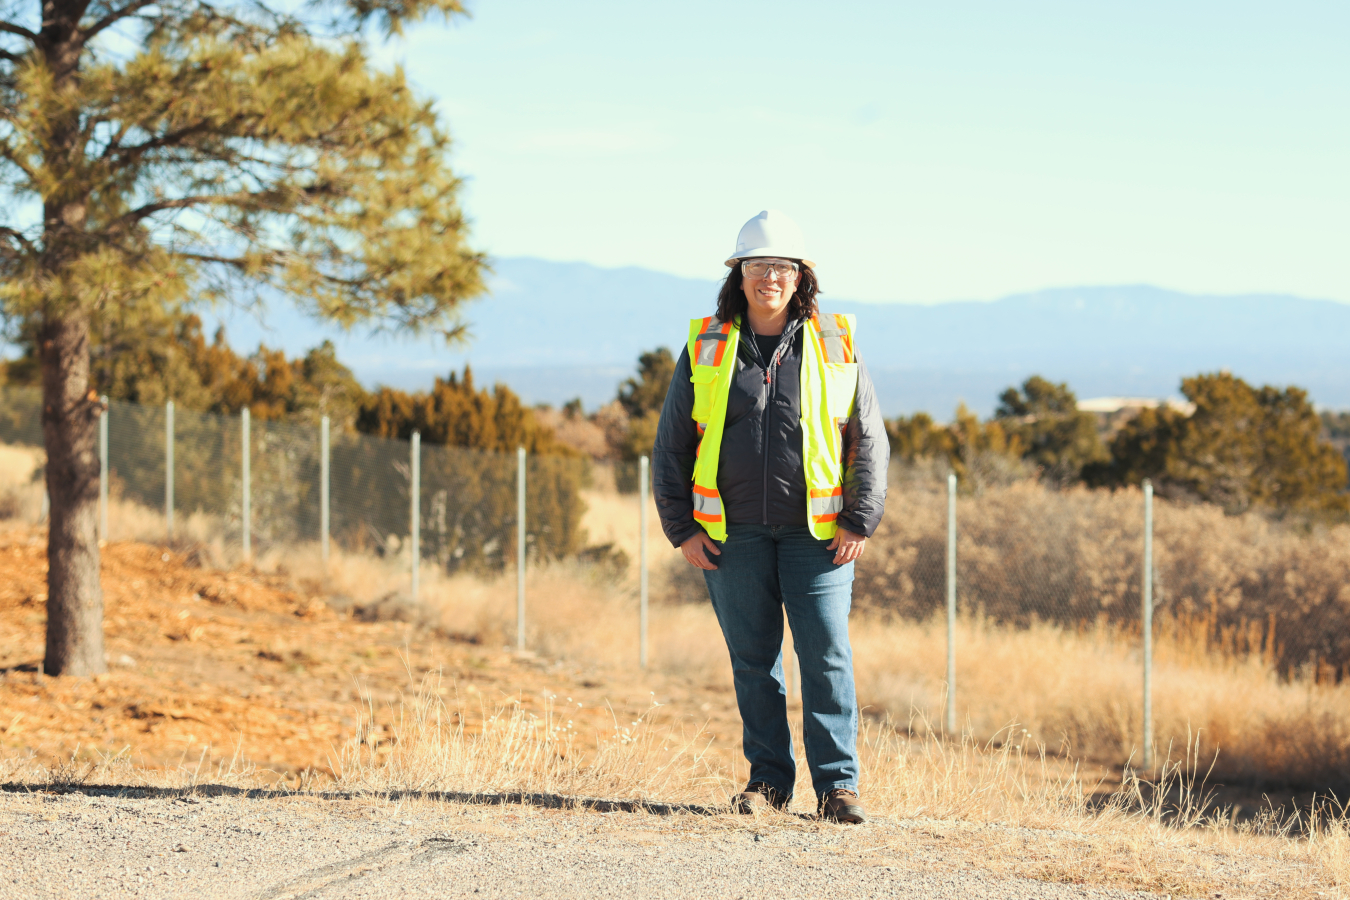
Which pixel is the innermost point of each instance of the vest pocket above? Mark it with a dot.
(841, 385)
(703, 378)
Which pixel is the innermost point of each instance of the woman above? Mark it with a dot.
(770, 473)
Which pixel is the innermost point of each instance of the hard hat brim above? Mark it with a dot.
(767, 251)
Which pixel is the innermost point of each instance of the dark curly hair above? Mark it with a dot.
(731, 300)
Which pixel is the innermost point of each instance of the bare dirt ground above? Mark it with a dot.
(98, 844)
(216, 672)
(204, 664)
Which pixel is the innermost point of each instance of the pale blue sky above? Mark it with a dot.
(930, 151)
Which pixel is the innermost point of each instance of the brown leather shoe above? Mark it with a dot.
(759, 797)
(842, 805)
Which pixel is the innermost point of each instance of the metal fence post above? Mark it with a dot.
(951, 603)
(520, 548)
(103, 471)
(246, 514)
(324, 481)
(168, 468)
(416, 509)
(643, 488)
(1147, 616)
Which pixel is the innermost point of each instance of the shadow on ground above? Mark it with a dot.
(542, 801)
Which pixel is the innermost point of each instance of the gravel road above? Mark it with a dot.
(98, 843)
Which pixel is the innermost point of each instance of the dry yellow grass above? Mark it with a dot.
(1026, 553)
(20, 494)
(1080, 693)
(1075, 691)
(1007, 809)
(970, 794)
(943, 805)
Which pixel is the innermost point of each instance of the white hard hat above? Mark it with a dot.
(771, 233)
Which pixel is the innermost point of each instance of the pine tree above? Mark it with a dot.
(470, 438)
(973, 450)
(186, 146)
(1242, 448)
(647, 392)
(1055, 437)
(641, 398)
(457, 414)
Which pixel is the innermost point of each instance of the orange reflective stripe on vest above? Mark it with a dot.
(707, 504)
(712, 342)
(828, 385)
(835, 338)
(827, 503)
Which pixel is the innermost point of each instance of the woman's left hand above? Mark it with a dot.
(847, 546)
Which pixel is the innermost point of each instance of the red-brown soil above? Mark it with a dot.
(210, 664)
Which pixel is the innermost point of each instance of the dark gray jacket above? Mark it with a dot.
(759, 469)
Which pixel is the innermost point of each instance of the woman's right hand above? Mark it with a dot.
(693, 550)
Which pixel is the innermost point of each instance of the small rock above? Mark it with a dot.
(180, 849)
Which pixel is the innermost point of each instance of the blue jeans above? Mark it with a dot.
(763, 570)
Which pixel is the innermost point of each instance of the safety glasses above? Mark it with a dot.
(761, 268)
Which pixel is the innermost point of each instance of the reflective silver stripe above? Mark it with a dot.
(711, 506)
(707, 352)
(841, 424)
(708, 341)
(832, 338)
(823, 505)
(830, 341)
(834, 346)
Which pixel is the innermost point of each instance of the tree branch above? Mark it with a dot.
(11, 28)
(166, 140)
(206, 257)
(7, 154)
(9, 57)
(150, 209)
(113, 18)
(16, 235)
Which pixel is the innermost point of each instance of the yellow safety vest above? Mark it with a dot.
(829, 381)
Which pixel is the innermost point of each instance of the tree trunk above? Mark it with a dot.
(70, 411)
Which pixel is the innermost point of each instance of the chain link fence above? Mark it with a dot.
(247, 486)
(1016, 555)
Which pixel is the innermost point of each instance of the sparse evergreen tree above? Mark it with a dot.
(647, 392)
(1243, 448)
(1140, 449)
(1055, 437)
(641, 398)
(976, 451)
(457, 414)
(476, 495)
(182, 146)
(918, 437)
(1336, 431)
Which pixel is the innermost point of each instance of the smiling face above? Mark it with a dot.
(768, 296)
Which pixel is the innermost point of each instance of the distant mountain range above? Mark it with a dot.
(554, 331)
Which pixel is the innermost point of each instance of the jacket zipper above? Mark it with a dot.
(768, 421)
(768, 417)
(769, 366)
